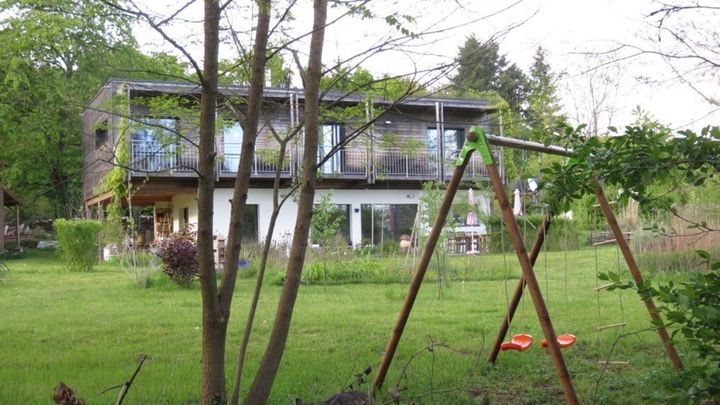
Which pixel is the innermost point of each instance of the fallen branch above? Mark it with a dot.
(125, 387)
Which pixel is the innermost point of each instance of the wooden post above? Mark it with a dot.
(637, 276)
(419, 275)
(532, 284)
(517, 295)
(17, 227)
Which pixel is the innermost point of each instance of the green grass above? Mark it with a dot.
(87, 329)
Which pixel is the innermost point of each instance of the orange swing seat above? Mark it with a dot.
(519, 342)
(564, 340)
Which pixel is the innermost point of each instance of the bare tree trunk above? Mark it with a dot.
(240, 364)
(242, 181)
(214, 321)
(260, 389)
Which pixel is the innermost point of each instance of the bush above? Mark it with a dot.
(140, 266)
(78, 243)
(24, 243)
(563, 235)
(179, 257)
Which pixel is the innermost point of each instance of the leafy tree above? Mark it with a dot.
(53, 57)
(543, 112)
(648, 163)
(481, 67)
(238, 71)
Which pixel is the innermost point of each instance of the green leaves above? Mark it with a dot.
(646, 163)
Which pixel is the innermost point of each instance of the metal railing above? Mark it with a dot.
(265, 161)
(408, 164)
(153, 157)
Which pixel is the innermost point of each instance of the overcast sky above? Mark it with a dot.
(567, 29)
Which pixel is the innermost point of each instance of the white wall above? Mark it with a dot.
(178, 203)
(286, 221)
(285, 224)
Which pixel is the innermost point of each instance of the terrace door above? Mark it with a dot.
(330, 136)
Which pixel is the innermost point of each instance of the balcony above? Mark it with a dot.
(155, 159)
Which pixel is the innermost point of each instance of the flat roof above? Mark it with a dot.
(177, 87)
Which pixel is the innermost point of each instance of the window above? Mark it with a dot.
(101, 134)
(250, 224)
(386, 222)
(453, 138)
(343, 213)
(154, 144)
(330, 136)
(232, 145)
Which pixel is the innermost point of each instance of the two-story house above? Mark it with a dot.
(374, 173)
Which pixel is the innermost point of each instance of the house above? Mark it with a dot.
(375, 175)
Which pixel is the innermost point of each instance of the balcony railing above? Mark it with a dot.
(406, 164)
(423, 164)
(265, 161)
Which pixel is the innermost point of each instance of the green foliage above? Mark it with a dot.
(681, 261)
(564, 233)
(24, 243)
(234, 72)
(483, 68)
(325, 221)
(78, 243)
(692, 311)
(53, 58)
(645, 163)
(543, 111)
(364, 270)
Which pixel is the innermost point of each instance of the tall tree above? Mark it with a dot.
(42, 48)
(543, 111)
(261, 386)
(214, 317)
(482, 68)
(53, 57)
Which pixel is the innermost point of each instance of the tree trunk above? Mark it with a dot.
(242, 181)
(260, 389)
(213, 319)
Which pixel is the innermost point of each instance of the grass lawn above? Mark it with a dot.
(87, 329)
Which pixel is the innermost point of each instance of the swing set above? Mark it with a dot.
(478, 140)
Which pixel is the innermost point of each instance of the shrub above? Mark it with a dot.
(24, 243)
(78, 243)
(179, 257)
(140, 266)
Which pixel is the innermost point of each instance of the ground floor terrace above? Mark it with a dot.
(367, 216)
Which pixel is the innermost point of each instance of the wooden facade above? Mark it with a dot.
(384, 145)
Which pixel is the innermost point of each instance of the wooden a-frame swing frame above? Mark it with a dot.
(478, 140)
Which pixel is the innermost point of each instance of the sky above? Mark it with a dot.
(570, 31)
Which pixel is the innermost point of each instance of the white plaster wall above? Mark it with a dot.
(181, 201)
(286, 221)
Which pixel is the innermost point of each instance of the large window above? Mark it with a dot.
(453, 140)
(386, 222)
(343, 214)
(330, 136)
(154, 144)
(232, 145)
(250, 224)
